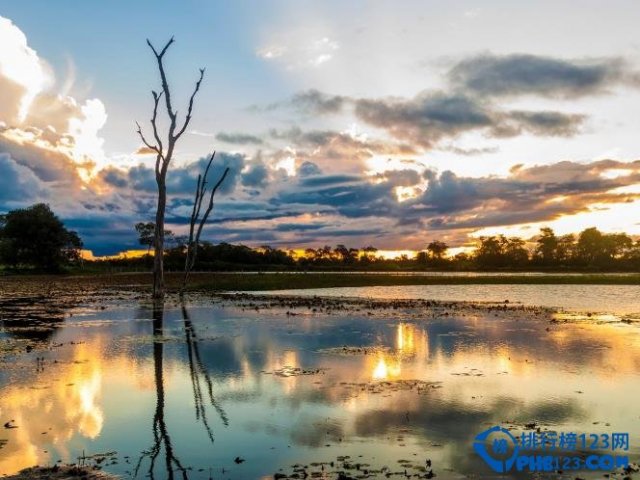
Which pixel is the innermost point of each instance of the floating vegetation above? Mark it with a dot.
(349, 351)
(289, 371)
(386, 386)
(151, 339)
(344, 467)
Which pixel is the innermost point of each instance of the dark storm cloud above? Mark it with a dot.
(310, 101)
(532, 194)
(520, 74)
(426, 118)
(425, 121)
(469, 102)
(453, 202)
(48, 165)
(314, 101)
(180, 180)
(18, 183)
(307, 169)
(351, 196)
(256, 175)
(324, 180)
(114, 177)
(141, 178)
(239, 138)
(330, 148)
(543, 123)
(430, 117)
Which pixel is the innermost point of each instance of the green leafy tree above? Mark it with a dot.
(146, 235)
(36, 237)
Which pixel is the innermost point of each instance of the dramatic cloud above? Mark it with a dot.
(431, 117)
(546, 76)
(539, 193)
(543, 124)
(36, 119)
(354, 174)
(256, 175)
(22, 74)
(309, 102)
(180, 180)
(17, 183)
(314, 101)
(337, 150)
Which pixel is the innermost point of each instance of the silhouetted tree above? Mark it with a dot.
(146, 234)
(437, 251)
(164, 154)
(197, 223)
(546, 252)
(565, 250)
(515, 252)
(368, 254)
(36, 237)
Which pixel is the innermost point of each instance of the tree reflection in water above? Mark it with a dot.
(198, 371)
(198, 375)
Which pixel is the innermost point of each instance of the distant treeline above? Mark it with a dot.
(35, 239)
(590, 250)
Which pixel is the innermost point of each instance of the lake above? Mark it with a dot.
(248, 390)
(618, 299)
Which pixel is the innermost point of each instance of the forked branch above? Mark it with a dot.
(194, 234)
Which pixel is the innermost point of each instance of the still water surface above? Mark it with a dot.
(197, 387)
(618, 299)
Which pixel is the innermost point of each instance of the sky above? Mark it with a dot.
(363, 123)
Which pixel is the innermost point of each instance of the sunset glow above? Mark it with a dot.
(338, 137)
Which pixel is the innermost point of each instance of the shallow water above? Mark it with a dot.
(618, 299)
(201, 386)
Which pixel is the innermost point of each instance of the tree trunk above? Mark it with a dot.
(164, 154)
(158, 259)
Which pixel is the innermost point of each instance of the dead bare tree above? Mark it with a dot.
(164, 154)
(194, 235)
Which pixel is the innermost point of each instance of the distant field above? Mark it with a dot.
(284, 281)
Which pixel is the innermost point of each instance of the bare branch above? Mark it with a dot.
(194, 213)
(203, 187)
(190, 108)
(156, 100)
(210, 206)
(192, 246)
(213, 192)
(165, 83)
(144, 140)
(164, 154)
